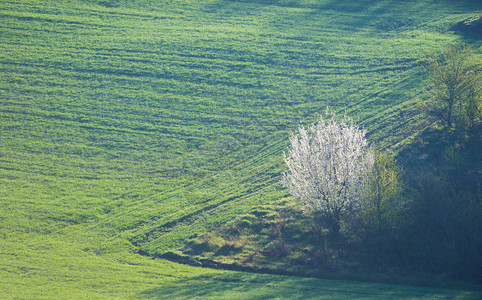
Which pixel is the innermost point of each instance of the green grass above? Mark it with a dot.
(255, 286)
(130, 126)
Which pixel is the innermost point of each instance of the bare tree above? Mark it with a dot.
(455, 92)
(328, 167)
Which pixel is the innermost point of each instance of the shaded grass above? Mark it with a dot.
(258, 286)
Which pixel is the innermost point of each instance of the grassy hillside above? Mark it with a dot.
(129, 126)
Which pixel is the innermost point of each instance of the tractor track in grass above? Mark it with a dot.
(188, 219)
(192, 217)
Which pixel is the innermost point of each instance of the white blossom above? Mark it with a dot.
(328, 164)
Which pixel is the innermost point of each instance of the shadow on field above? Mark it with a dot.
(260, 286)
(352, 16)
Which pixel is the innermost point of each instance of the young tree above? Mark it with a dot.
(384, 187)
(379, 225)
(454, 87)
(328, 166)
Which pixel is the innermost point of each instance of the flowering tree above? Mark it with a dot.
(328, 166)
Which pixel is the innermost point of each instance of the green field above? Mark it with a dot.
(129, 126)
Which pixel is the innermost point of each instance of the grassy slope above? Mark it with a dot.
(130, 126)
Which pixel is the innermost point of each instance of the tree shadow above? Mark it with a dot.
(378, 15)
(470, 30)
(244, 285)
